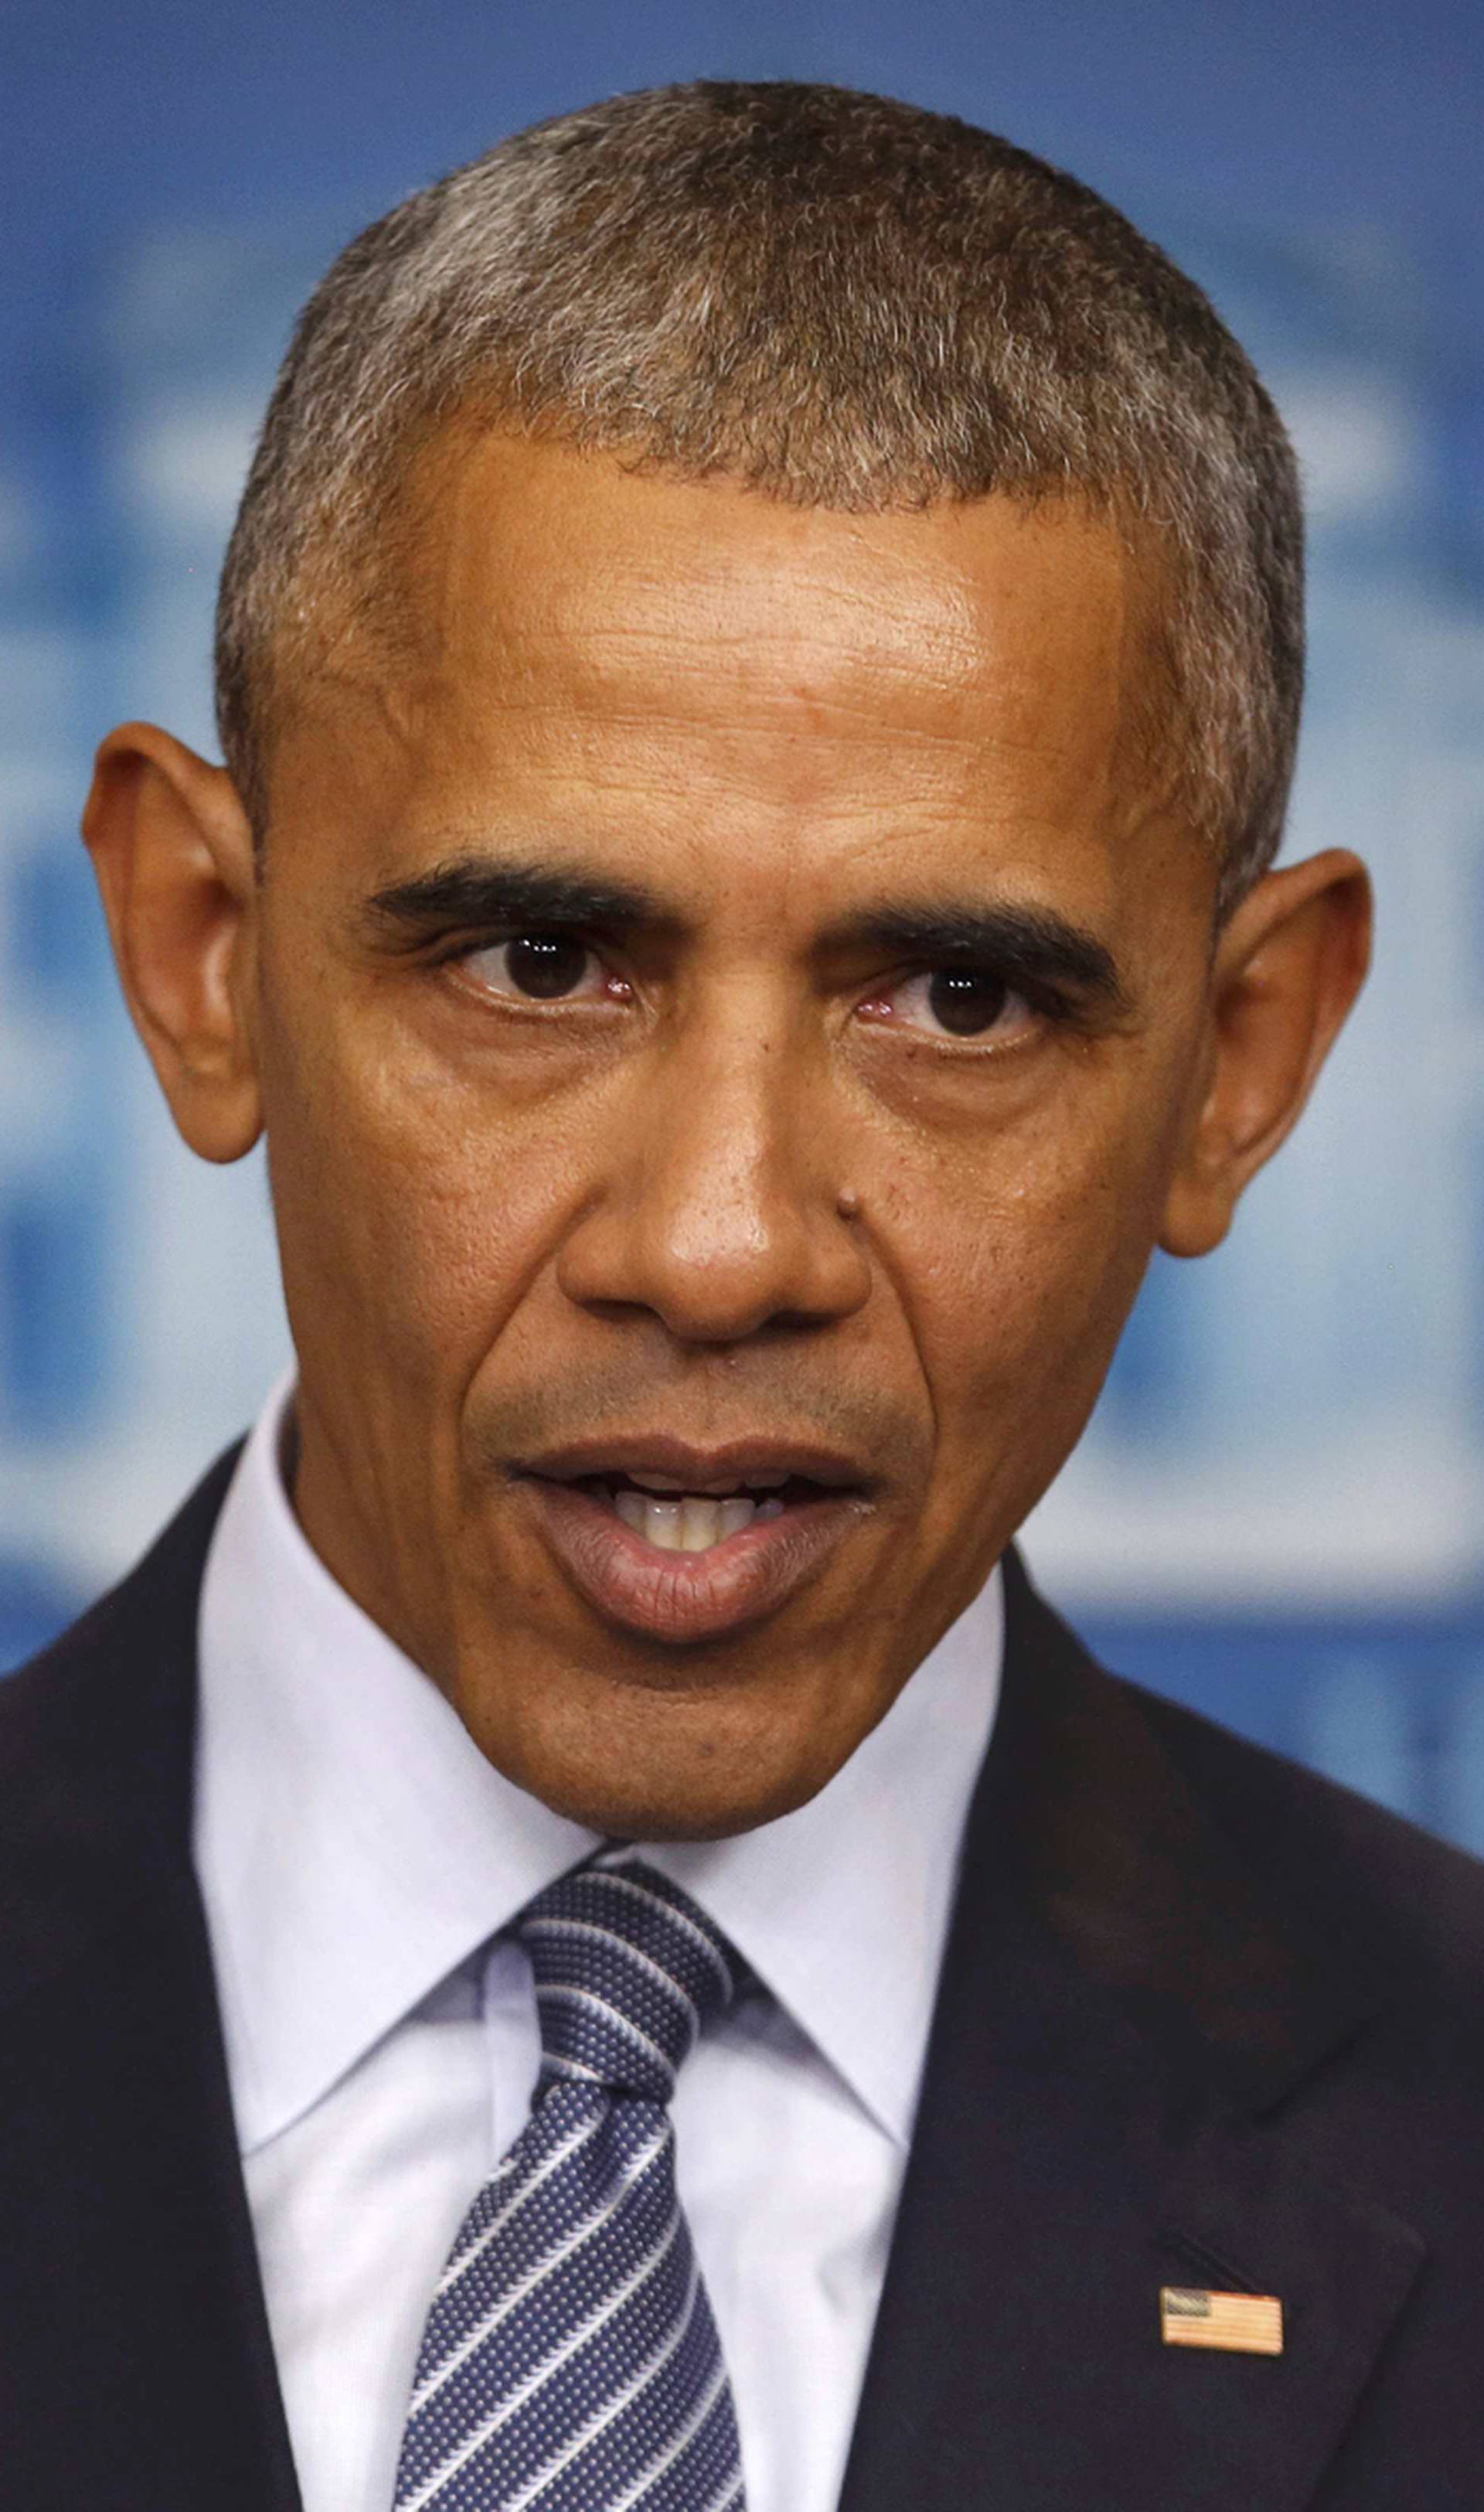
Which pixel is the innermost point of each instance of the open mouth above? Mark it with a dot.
(674, 1520)
(687, 1545)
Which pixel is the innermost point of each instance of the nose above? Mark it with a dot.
(718, 1213)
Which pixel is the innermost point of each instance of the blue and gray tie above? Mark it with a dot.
(570, 2362)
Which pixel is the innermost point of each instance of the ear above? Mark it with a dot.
(174, 857)
(1288, 966)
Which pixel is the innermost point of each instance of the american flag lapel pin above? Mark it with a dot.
(1239, 2324)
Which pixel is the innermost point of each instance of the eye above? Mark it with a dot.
(539, 967)
(965, 1003)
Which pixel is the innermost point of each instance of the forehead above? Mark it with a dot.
(594, 574)
(575, 635)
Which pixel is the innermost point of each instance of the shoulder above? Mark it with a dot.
(1175, 1850)
(96, 1737)
(1348, 1868)
(143, 1618)
(1410, 1903)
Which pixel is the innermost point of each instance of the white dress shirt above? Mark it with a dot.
(358, 1856)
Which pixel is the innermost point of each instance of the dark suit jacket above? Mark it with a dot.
(1203, 2020)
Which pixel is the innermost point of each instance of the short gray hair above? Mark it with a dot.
(838, 299)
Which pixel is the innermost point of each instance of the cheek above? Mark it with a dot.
(1021, 1259)
(414, 1209)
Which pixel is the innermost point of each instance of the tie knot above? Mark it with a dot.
(627, 1972)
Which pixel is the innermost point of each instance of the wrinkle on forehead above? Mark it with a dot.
(611, 617)
(538, 548)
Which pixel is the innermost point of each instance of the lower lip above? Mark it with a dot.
(679, 1597)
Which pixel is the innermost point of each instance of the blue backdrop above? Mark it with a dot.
(1277, 1510)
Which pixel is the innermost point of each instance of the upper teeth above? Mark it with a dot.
(693, 1523)
(720, 1490)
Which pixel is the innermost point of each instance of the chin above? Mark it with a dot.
(682, 1784)
(668, 1805)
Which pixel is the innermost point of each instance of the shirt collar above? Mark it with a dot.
(354, 1846)
(842, 1906)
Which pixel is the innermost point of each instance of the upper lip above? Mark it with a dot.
(649, 1452)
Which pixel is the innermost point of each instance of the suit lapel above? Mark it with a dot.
(134, 2360)
(1119, 2021)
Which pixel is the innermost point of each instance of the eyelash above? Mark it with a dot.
(1043, 1003)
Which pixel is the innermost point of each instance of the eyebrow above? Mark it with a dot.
(1033, 947)
(477, 891)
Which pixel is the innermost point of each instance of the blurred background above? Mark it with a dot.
(1277, 1514)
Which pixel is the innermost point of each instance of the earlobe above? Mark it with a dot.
(1287, 968)
(174, 857)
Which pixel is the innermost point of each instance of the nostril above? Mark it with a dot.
(719, 1275)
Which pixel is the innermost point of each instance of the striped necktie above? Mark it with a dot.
(570, 2362)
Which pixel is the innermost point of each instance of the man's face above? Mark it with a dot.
(728, 1010)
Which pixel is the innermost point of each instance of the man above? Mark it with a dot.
(576, 1938)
